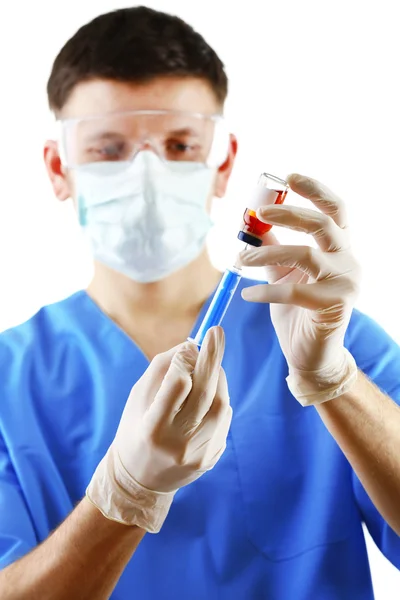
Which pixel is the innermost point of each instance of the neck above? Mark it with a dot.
(179, 297)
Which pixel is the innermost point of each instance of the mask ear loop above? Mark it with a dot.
(60, 141)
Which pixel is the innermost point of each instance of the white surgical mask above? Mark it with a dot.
(145, 219)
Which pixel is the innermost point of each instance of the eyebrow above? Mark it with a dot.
(183, 131)
(104, 136)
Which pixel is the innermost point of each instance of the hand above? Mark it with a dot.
(173, 429)
(311, 291)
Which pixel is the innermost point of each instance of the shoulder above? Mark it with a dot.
(35, 339)
(377, 354)
(368, 339)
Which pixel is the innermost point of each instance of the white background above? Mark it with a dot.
(314, 89)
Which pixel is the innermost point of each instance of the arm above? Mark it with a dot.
(83, 559)
(366, 425)
(173, 429)
(312, 293)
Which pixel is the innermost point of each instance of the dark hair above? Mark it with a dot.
(134, 45)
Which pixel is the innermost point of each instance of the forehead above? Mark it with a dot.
(99, 97)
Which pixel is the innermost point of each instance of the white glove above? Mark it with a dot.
(173, 429)
(311, 291)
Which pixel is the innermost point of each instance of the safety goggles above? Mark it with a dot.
(175, 136)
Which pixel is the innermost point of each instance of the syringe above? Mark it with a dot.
(219, 304)
(270, 190)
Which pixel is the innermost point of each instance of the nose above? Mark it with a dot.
(143, 146)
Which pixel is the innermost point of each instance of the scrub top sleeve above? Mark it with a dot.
(378, 356)
(17, 535)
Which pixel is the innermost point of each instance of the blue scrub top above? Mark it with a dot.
(279, 517)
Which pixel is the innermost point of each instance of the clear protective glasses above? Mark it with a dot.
(193, 138)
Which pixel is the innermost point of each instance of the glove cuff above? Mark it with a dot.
(315, 387)
(121, 498)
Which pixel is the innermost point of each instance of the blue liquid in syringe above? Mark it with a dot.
(219, 304)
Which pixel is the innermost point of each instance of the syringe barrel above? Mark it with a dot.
(219, 304)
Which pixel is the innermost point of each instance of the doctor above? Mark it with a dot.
(106, 433)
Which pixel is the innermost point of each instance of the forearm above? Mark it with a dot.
(83, 559)
(366, 425)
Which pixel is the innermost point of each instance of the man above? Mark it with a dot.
(142, 149)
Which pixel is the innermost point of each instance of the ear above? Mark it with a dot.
(55, 170)
(225, 170)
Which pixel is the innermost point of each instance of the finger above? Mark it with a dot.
(153, 377)
(321, 196)
(218, 409)
(215, 426)
(270, 239)
(162, 361)
(206, 456)
(274, 273)
(327, 234)
(312, 296)
(219, 440)
(205, 378)
(176, 384)
(309, 260)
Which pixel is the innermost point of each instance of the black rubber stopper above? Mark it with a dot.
(247, 238)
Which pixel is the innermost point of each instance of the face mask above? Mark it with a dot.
(145, 219)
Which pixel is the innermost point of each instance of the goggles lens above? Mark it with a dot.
(173, 136)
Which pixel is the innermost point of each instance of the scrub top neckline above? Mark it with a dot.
(116, 329)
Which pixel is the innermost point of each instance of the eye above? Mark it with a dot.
(178, 147)
(181, 150)
(114, 151)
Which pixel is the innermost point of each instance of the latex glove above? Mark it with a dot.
(311, 291)
(173, 429)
